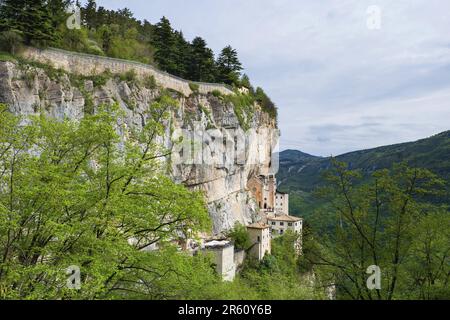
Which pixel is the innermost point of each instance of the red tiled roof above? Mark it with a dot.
(285, 218)
(258, 225)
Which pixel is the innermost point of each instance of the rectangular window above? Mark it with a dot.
(290, 224)
(259, 239)
(273, 223)
(281, 223)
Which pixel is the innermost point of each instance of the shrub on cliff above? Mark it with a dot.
(240, 237)
(11, 41)
(266, 103)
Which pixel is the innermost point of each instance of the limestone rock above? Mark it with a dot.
(225, 184)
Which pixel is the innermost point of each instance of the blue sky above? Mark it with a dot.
(339, 85)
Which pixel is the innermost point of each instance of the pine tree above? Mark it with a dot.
(58, 9)
(31, 18)
(89, 14)
(245, 82)
(266, 103)
(165, 43)
(201, 63)
(181, 55)
(229, 66)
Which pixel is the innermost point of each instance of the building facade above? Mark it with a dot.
(273, 215)
(281, 203)
(223, 258)
(263, 189)
(260, 238)
(280, 224)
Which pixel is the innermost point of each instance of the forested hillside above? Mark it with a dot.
(301, 174)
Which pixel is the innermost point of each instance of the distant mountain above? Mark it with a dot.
(301, 173)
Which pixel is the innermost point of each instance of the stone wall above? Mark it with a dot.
(86, 64)
(224, 260)
(239, 258)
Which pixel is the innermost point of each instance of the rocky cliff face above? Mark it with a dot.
(29, 90)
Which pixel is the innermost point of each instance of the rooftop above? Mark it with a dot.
(284, 218)
(217, 244)
(258, 225)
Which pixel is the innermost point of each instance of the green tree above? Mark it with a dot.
(10, 41)
(266, 103)
(181, 55)
(245, 82)
(384, 222)
(426, 268)
(277, 276)
(229, 66)
(59, 15)
(75, 193)
(240, 237)
(31, 18)
(89, 14)
(165, 43)
(201, 63)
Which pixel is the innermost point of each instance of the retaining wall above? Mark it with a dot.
(88, 65)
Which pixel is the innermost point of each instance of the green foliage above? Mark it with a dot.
(240, 237)
(77, 40)
(277, 276)
(201, 64)
(165, 42)
(245, 82)
(129, 76)
(117, 34)
(216, 93)
(283, 248)
(150, 82)
(80, 197)
(100, 80)
(31, 66)
(426, 268)
(265, 280)
(243, 107)
(229, 66)
(302, 173)
(387, 222)
(6, 56)
(11, 41)
(267, 105)
(194, 87)
(89, 106)
(32, 19)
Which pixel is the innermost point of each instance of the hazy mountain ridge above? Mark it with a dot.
(301, 173)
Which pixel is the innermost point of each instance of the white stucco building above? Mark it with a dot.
(260, 238)
(223, 258)
(281, 203)
(279, 224)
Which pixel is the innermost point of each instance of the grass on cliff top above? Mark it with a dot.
(5, 56)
